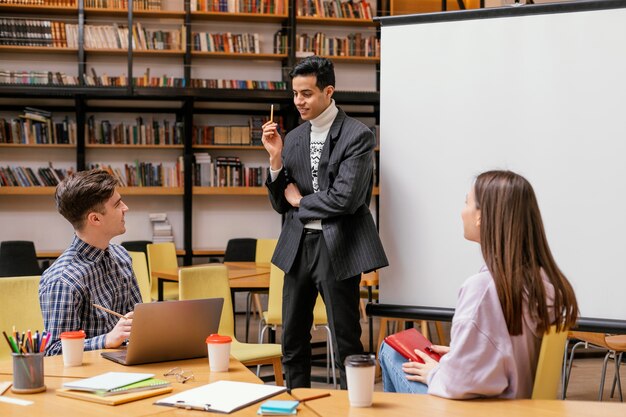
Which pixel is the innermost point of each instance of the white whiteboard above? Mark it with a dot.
(540, 94)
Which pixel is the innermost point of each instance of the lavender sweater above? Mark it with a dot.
(484, 360)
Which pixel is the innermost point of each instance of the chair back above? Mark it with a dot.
(136, 246)
(240, 250)
(274, 314)
(19, 306)
(140, 268)
(18, 258)
(209, 282)
(265, 249)
(549, 365)
(161, 256)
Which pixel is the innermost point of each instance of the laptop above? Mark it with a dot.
(169, 331)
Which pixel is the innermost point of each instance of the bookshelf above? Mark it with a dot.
(123, 83)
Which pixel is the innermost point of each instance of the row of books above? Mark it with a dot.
(123, 4)
(139, 133)
(247, 43)
(32, 32)
(161, 228)
(115, 36)
(55, 3)
(36, 78)
(281, 41)
(18, 176)
(146, 174)
(334, 8)
(355, 44)
(238, 84)
(233, 135)
(36, 126)
(226, 171)
(240, 6)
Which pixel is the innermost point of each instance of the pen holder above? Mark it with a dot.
(28, 373)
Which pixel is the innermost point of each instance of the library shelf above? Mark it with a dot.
(229, 191)
(34, 190)
(239, 17)
(335, 21)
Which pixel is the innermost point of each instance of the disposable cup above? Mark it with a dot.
(360, 370)
(219, 352)
(28, 373)
(73, 345)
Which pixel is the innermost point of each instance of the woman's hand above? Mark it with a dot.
(419, 372)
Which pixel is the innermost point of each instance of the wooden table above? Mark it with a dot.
(49, 404)
(401, 405)
(258, 274)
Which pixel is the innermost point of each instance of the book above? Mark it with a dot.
(405, 343)
(145, 385)
(113, 399)
(278, 408)
(107, 382)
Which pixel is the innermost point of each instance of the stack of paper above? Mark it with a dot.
(161, 228)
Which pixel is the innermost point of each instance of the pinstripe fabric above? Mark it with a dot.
(345, 180)
(81, 276)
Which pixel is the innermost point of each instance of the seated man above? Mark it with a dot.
(92, 270)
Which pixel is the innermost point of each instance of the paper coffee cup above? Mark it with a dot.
(360, 370)
(73, 345)
(219, 352)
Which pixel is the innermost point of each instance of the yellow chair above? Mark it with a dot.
(273, 317)
(264, 251)
(212, 282)
(162, 256)
(548, 374)
(140, 268)
(19, 306)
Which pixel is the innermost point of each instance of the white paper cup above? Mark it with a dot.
(73, 345)
(219, 352)
(360, 370)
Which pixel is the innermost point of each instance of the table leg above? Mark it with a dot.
(160, 286)
(370, 319)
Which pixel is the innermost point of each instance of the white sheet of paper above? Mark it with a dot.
(107, 381)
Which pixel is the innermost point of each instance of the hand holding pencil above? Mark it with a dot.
(121, 331)
(272, 141)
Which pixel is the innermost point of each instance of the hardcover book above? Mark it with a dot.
(405, 343)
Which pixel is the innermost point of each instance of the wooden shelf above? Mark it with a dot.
(31, 49)
(156, 14)
(231, 55)
(124, 146)
(6, 9)
(37, 145)
(231, 147)
(229, 191)
(27, 190)
(239, 17)
(124, 191)
(335, 21)
(354, 59)
(140, 52)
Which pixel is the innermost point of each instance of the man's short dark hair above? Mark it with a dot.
(322, 68)
(83, 192)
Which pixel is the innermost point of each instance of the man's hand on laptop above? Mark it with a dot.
(120, 332)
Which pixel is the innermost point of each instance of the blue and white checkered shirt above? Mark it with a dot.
(84, 275)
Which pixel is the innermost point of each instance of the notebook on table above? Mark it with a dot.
(169, 331)
(405, 343)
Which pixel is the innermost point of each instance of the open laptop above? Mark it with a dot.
(169, 330)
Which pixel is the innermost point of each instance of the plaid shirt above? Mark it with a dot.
(84, 275)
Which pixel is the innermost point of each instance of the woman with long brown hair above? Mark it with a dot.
(503, 311)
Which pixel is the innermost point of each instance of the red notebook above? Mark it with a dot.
(407, 341)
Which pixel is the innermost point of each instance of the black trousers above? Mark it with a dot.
(311, 273)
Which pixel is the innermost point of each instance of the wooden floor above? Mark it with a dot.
(584, 382)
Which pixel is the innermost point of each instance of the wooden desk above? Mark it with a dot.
(401, 405)
(48, 404)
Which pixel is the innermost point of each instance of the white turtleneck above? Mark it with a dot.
(320, 126)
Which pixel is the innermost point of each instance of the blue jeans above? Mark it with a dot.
(394, 378)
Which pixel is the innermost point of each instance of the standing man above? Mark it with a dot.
(92, 270)
(321, 181)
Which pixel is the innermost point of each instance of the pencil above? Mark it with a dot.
(115, 313)
(315, 397)
(272, 114)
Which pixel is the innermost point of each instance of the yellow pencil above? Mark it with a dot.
(272, 114)
(115, 313)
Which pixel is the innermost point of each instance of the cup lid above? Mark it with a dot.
(216, 338)
(77, 334)
(360, 360)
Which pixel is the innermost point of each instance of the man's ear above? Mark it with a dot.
(329, 90)
(93, 218)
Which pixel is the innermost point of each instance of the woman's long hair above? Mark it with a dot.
(515, 248)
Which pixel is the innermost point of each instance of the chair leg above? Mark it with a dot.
(569, 367)
(248, 308)
(424, 328)
(603, 375)
(616, 378)
(441, 337)
(362, 310)
(329, 341)
(564, 370)
(278, 372)
(258, 307)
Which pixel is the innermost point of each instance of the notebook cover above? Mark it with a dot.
(113, 399)
(405, 343)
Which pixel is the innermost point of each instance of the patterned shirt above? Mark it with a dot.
(84, 275)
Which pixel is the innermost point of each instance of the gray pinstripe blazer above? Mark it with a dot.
(345, 179)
